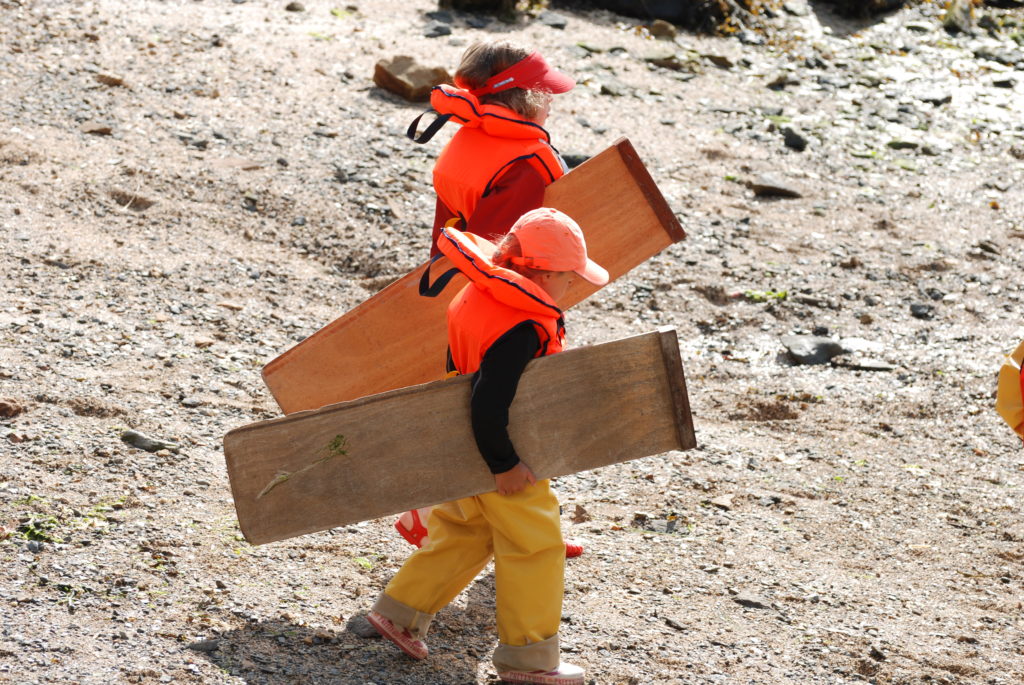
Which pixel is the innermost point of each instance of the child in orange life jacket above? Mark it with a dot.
(496, 167)
(506, 316)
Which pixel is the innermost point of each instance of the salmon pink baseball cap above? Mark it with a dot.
(529, 73)
(552, 241)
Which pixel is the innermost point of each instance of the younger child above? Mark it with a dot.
(506, 316)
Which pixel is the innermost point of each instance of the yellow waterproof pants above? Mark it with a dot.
(523, 534)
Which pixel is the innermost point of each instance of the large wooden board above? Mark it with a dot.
(384, 454)
(398, 338)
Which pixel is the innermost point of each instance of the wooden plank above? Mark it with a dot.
(413, 447)
(398, 338)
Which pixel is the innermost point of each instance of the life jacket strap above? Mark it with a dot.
(433, 290)
(430, 130)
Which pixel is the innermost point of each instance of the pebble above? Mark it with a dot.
(769, 186)
(10, 408)
(204, 645)
(662, 29)
(811, 349)
(436, 29)
(794, 139)
(145, 442)
(295, 7)
(751, 601)
(922, 311)
(553, 19)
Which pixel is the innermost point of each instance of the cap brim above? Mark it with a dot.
(554, 81)
(594, 273)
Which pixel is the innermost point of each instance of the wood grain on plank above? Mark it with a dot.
(387, 453)
(398, 338)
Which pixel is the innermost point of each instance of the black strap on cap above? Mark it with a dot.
(430, 130)
(428, 290)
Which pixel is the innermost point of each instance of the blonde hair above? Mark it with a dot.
(481, 61)
(509, 247)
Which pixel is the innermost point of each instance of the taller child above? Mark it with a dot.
(497, 165)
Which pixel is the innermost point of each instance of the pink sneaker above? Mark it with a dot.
(565, 674)
(400, 636)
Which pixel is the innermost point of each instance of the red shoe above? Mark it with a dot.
(565, 674)
(411, 527)
(400, 636)
(573, 549)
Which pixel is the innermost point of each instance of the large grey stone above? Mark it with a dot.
(811, 349)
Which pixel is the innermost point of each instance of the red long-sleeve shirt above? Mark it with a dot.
(519, 190)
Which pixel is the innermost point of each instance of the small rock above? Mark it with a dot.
(95, 128)
(205, 645)
(876, 653)
(672, 623)
(959, 16)
(612, 86)
(144, 442)
(477, 21)
(720, 61)
(406, 77)
(662, 29)
(130, 200)
(857, 362)
(436, 29)
(794, 139)
(34, 546)
(768, 186)
(811, 349)
(191, 402)
(795, 9)
(574, 159)
(443, 16)
(751, 601)
(580, 515)
(553, 19)
(295, 7)
(935, 97)
(922, 311)
(666, 59)
(9, 408)
(723, 502)
(902, 145)
(1004, 82)
(360, 627)
(109, 80)
(782, 80)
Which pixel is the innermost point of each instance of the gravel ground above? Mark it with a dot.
(187, 188)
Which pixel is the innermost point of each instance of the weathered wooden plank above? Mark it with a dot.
(397, 338)
(413, 447)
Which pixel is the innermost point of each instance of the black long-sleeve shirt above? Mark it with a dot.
(494, 388)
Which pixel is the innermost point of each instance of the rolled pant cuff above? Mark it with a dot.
(536, 656)
(416, 622)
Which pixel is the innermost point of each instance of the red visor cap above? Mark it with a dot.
(552, 241)
(529, 73)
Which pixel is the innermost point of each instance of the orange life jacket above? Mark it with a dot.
(495, 301)
(490, 140)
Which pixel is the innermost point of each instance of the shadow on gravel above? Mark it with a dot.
(277, 652)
